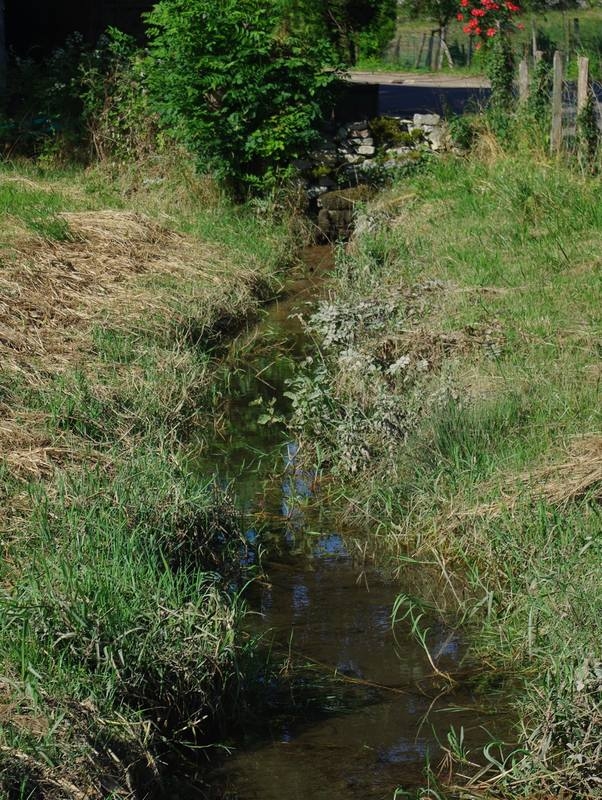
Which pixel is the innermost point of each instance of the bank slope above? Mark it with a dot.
(457, 399)
(119, 641)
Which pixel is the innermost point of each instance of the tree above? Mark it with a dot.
(441, 12)
(347, 21)
(236, 84)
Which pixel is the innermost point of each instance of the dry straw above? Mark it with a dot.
(53, 292)
(114, 268)
(575, 476)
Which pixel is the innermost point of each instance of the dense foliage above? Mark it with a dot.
(440, 11)
(236, 84)
(80, 101)
(353, 27)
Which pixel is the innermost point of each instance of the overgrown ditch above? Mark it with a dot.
(345, 703)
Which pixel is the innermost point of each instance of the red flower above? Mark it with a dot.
(491, 31)
(460, 17)
(478, 31)
(467, 29)
(464, 3)
(477, 12)
(520, 26)
(512, 7)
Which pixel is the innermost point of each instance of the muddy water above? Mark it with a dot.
(360, 711)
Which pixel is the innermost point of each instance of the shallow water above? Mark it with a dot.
(362, 711)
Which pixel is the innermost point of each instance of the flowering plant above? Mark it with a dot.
(486, 18)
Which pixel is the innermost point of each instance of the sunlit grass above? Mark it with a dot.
(119, 615)
(492, 271)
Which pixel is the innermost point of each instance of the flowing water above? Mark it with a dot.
(360, 711)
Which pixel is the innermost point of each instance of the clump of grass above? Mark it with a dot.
(497, 479)
(118, 601)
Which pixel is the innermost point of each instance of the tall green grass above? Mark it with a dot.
(486, 271)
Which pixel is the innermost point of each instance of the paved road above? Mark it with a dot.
(407, 93)
(401, 94)
(431, 80)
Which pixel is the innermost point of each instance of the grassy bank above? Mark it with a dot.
(119, 612)
(457, 400)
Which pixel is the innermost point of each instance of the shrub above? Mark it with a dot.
(386, 131)
(115, 110)
(78, 101)
(238, 88)
(462, 131)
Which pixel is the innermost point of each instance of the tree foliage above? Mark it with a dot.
(440, 11)
(347, 23)
(237, 84)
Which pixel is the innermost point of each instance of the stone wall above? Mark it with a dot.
(364, 151)
(359, 155)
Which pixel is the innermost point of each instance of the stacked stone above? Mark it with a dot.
(355, 142)
(336, 210)
(348, 158)
(432, 127)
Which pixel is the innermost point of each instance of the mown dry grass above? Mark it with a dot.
(109, 263)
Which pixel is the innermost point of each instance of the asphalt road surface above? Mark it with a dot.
(407, 93)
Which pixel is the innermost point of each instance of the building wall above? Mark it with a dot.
(36, 26)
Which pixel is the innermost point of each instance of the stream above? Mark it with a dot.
(360, 712)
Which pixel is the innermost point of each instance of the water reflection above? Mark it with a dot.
(349, 721)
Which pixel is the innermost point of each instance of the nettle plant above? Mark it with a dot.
(492, 22)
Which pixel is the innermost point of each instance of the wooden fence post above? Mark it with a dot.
(582, 83)
(534, 38)
(420, 50)
(523, 82)
(556, 132)
(577, 32)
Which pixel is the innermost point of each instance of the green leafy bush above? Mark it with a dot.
(233, 83)
(81, 100)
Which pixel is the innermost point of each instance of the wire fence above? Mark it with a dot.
(575, 105)
(428, 49)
